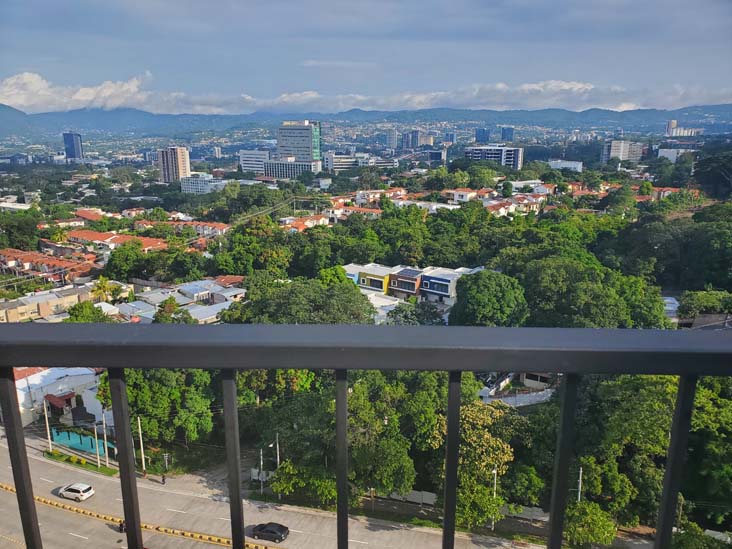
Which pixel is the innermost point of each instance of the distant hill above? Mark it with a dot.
(714, 118)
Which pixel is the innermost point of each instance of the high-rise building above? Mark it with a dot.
(73, 146)
(450, 137)
(622, 150)
(150, 156)
(674, 130)
(253, 161)
(482, 135)
(512, 157)
(391, 138)
(507, 133)
(217, 152)
(174, 163)
(414, 138)
(300, 139)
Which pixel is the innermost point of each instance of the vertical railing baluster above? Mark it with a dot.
(19, 459)
(233, 457)
(342, 457)
(562, 458)
(451, 459)
(675, 461)
(125, 457)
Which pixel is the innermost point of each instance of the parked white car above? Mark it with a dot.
(77, 491)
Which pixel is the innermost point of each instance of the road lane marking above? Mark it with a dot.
(224, 518)
(46, 480)
(119, 499)
(77, 535)
(356, 541)
(175, 511)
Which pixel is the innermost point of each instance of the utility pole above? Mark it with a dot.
(261, 471)
(495, 486)
(96, 445)
(48, 430)
(277, 442)
(579, 486)
(142, 450)
(104, 434)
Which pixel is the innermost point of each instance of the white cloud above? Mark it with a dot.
(30, 92)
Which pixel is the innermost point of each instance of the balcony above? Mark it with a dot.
(572, 352)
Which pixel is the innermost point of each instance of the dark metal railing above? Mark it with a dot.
(573, 352)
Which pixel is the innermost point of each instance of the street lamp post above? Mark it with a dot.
(276, 443)
(495, 486)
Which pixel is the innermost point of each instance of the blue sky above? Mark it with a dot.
(288, 55)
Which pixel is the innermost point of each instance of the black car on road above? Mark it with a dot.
(271, 531)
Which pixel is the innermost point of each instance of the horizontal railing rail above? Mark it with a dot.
(561, 350)
(573, 352)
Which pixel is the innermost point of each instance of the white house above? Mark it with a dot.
(58, 386)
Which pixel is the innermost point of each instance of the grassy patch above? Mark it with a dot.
(183, 460)
(89, 466)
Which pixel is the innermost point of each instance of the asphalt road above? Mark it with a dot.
(64, 530)
(162, 505)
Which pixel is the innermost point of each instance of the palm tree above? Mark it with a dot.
(102, 289)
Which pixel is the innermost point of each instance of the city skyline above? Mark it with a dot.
(372, 55)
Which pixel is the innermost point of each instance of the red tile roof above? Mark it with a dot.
(22, 373)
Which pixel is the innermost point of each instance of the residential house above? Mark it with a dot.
(405, 283)
(43, 305)
(57, 386)
(439, 284)
(460, 195)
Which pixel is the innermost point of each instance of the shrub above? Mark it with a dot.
(73, 459)
(82, 461)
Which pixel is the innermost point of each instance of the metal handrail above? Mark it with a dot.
(573, 352)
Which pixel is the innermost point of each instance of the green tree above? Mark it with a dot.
(86, 312)
(488, 298)
(423, 313)
(507, 189)
(125, 261)
(170, 312)
(301, 301)
(586, 524)
(645, 188)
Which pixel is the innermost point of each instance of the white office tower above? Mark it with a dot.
(253, 161)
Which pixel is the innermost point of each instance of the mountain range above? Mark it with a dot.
(713, 118)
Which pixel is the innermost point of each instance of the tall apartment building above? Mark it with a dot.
(482, 135)
(290, 168)
(622, 150)
(512, 157)
(507, 133)
(253, 161)
(73, 146)
(300, 139)
(217, 152)
(450, 137)
(174, 164)
(392, 138)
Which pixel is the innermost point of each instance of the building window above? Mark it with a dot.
(426, 284)
(394, 283)
(363, 281)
